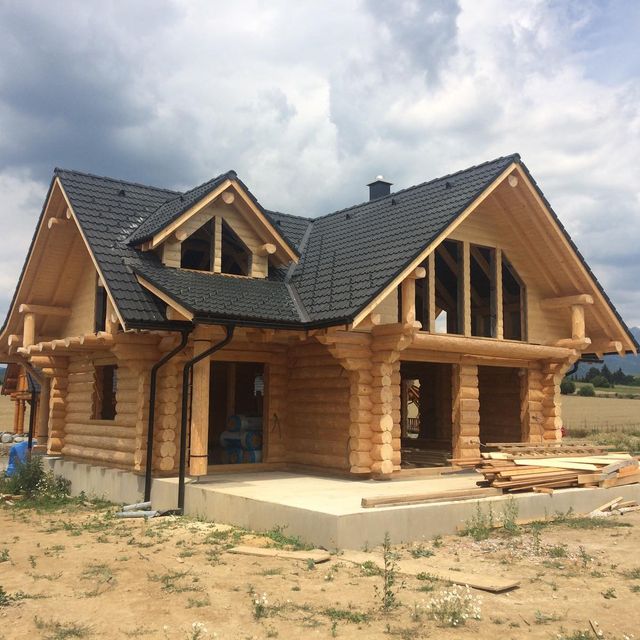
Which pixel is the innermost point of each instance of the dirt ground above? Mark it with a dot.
(597, 413)
(80, 573)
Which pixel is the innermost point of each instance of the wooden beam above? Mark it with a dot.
(431, 292)
(228, 197)
(409, 301)
(57, 222)
(577, 322)
(267, 249)
(464, 301)
(44, 310)
(217, 244)
(497, 309)
(489, 347)
(566, 301)
(198, 451)
(29, 329)
(580, 344)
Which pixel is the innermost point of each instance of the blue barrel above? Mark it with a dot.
(230, 439)
(232, 455)
(252, 456)
(251, 440)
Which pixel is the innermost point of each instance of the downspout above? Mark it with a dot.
(152, 408)
(186, 373)
(32, 412)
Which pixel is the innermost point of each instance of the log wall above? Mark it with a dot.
(465, 410)
(500, 399)
(82, 318)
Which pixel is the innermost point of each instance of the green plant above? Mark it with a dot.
(5, 598)
(544, 618)
(421, 552)
(280, 540)
(510, 517)
(587, 391)
(585, 558)
(197, 632)
(454, 606)
(4, 555)
(41, 488)
(174, 581)
(567, 387)
(437, 541)
(54, 630)
(557, 551)
(260, 605)
(632, 574)
(609, 593)
(575, 635)
(480, 525)
(388, 593)
(311, 565)
(346, 615)
(370, 568)
(197, 603)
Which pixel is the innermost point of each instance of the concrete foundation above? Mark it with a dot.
(326, 511)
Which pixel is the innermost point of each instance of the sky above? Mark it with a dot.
(309, 101)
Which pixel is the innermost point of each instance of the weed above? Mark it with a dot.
(437, 541)
(101, 574)
(54, 630)
(388, 594)
(4, 555)
(260, 605)
(41, 488)
(421, 552)
(635, 588)
(280, 540)
(346, 615)
(311, 565)
(370, 568)
(32, 561)
(575, 635)
(454, 606)
(274, 571)
(5, 598)
(536, 536)
(510, 517)
(173, 581)
(544, 618)
(585, 558)
(632, 574)
(609, 593)
(480, 525)
(557, 551)
(197, 603)
(197, 632)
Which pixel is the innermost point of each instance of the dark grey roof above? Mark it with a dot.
(353, 254)
(211, 296)
(347, 257)
(170, 210)
(108, 212)
(292, 228)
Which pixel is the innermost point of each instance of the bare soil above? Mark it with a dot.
(80, 573)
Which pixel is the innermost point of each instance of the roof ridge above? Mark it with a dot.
(421, 184)
(58, 170)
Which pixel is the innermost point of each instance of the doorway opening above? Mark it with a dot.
(236, 409)
(426, 410)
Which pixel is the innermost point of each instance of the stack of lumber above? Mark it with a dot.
(516, 472)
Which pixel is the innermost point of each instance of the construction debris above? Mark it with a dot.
(315, 555)
(619, 506)
(542, 468)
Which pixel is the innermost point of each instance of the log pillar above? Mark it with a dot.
(552, 374)
(578, 328)
(42, 424)
(29, 330)
(19, 426)
(198, 450)
(465, 417)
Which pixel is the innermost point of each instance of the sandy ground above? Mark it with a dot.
(80, 573)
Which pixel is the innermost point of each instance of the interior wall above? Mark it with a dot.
(500, 402)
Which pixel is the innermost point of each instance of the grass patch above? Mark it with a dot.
(480, 525)
(54, 630)
(346, 615)
(422, 552)
(282, 541)
(370, 568)
(175, 581)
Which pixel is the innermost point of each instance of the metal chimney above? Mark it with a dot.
(379, 188)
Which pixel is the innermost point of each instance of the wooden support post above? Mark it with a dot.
(231, 388)
(578, 331)
(497, 312)
(431, 290)
(198, 452)
(464, 287)
(408, 300)
(465, 415)
(217, 244)
(21, 412)
(42, 429)
(29, 330)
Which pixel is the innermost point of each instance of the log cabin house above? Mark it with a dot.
(404, 330)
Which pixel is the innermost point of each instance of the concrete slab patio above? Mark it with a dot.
(327, 511)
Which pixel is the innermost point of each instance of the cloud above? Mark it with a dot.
(309, 101)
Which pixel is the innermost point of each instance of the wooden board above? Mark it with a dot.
(317, 555)
(484, 582)
(416, 498)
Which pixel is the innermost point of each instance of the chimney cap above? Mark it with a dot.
(379, 179)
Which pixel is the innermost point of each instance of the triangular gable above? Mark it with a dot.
(226, 191)
(562, 249)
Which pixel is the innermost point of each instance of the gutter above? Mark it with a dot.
(186, 373)
(152, 407)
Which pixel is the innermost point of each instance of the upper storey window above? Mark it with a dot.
(196, 251)
(235, 257)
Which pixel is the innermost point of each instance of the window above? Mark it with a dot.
(482, 292)
(449, 305)
(235, 255)
(104, 392)
(196, 251)
(100, 308)
(513, 303)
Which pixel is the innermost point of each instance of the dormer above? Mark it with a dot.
(216, 228)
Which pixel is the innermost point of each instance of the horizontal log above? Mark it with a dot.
(101, 442)
(566, 301)
(84, 429)
(45, 310)
(98, 455)
(383, 467)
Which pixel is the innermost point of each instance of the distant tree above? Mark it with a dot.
(606, 373)
(601, 382)
(567, 387)
(619, 377)
(587, 391)
(591, 374)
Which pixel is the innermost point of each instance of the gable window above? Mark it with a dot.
(448, 287)
(196, 251)
(483, 292)
(104, 392)
(513, 303)
(236, 258)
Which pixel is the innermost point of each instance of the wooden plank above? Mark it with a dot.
(484, 582)
(558, 463)
(316, 555)
(620, 482)
(444, 496)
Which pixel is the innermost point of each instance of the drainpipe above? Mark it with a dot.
(152, 408)
(188, 367)
(32, 412)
